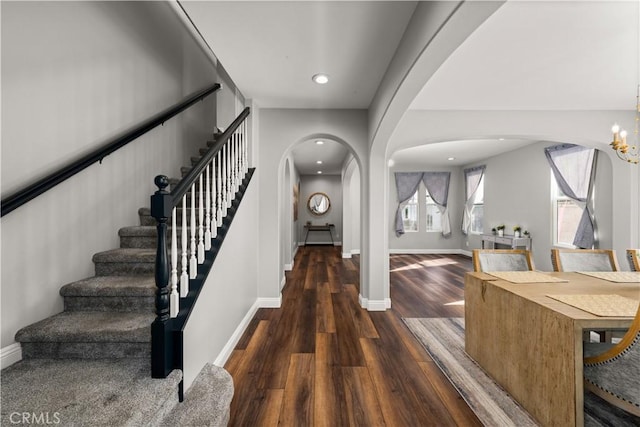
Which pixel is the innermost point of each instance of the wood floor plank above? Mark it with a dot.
(363, 407)
(297, 407)
(347, 333)
(330, 404)
(270, 408)
(364, 326)
(325, 322)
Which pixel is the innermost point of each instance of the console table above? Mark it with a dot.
(325, 228)
(511, 241)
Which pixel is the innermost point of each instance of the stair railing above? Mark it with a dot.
(46, 183)
(200, 208)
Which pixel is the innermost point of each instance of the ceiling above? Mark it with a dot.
(529, 55)
(307, 154)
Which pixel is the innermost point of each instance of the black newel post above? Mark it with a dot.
(162, 357)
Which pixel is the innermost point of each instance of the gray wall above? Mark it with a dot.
(331, 185)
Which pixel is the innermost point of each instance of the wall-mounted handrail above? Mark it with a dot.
(32, 191)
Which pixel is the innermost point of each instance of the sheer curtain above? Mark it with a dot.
(437, 184)
(472, 178)
(573, 167)
(406, 185)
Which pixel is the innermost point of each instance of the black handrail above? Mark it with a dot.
(32, 191)
(166, 343)
(184, 184)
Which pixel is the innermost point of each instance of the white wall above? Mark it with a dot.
(422, 241)
(351, 214)
(331, 185)
(75, 74)
(228, 299)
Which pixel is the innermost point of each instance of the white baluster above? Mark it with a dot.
(245, 138)
(229, 183)
(232, 167)
(207, 220)
(184, 277)
(200, 222)
(225, 181)
(219, 191)
(214, 204)
(174, 301)
(193, 262)
(236, 161)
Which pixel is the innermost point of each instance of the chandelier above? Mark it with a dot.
(626, 152)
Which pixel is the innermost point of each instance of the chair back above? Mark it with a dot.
(633, 256)
(502, 260)
(614, 375)
(584, 260)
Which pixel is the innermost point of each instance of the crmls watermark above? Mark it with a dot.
(33, 418)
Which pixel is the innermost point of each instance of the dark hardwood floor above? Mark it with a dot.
(321, 360)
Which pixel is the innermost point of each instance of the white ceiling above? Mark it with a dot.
(306, 155)
(533, 55)
(271, 49)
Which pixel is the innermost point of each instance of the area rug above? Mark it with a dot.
(443, 338)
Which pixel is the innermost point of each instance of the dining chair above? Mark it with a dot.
(614, 373)
(633, 256)
(502, 260)
(584, 260)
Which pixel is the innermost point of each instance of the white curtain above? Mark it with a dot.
(573, 167)
(437, 184)
(472, 178)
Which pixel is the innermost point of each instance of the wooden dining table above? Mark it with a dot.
(532, 344)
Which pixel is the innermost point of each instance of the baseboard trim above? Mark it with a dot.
(10, 355)
(283, 282)
(374, 305)
(270, 302)
(430, 252)
(224, 355)
(355, 251)
(346, 254)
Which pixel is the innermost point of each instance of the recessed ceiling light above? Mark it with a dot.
(319, 142)
(319, 162)
(391, 162)
(451, 158)
(320, 78)
(319, 172)
(500, 139)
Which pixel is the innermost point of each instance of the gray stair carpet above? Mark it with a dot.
(88, 392)
(91, 364)
(207, 402)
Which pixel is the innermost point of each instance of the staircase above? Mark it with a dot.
(90, 364)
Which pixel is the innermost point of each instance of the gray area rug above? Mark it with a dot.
(443, 338)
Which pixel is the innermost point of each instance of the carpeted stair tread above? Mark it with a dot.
(90, 326)
(107, 392)
(126, 255)
(207, 401)
(111, 286)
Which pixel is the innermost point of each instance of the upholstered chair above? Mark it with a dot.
(613, 373)
(502, 260)
(633, 256)
(584, 260)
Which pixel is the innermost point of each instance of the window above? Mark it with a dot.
(434, 219)
(566, 217)
(477, 211)
(410, 214)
